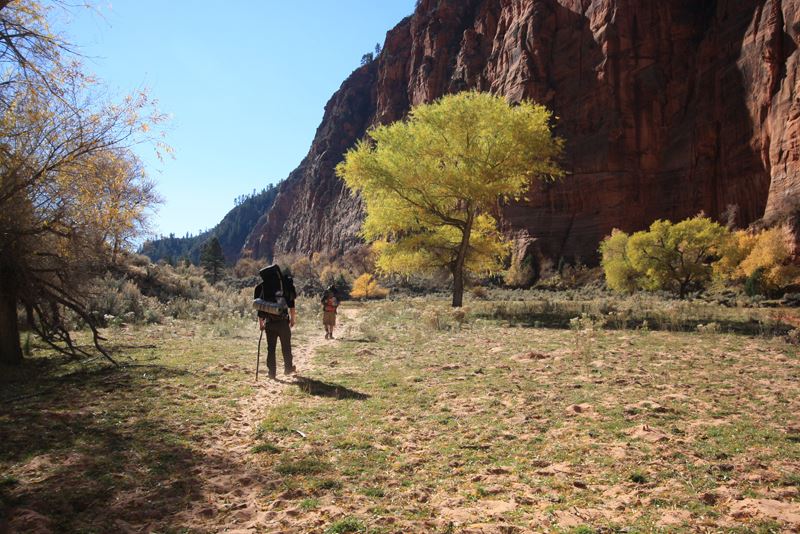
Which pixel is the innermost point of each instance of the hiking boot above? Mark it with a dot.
(290, 371)
(273, 375)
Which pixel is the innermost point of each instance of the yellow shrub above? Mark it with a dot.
(770, 254)
(366, 287)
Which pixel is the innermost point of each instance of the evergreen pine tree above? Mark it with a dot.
(212, 259)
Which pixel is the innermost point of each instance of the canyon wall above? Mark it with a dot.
(668, 108)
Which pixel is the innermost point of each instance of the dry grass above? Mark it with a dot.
(418, 420)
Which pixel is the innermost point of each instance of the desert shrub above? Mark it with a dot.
(709, 328)
(479, 292)
(579, 275)
(333, 275)
(153, 316)
(306, 277)
(460, 316)
(754, 284)
(436, 320)
(114, 297)
(520, 273)
(793, 337)
(320, 260)
(303, 269)
(676, 257)
(586, 329)
(572, 276)
(246, 267)
(139, 260)
(366, 287)
(134, 292)
(369, 331)
(359, 260)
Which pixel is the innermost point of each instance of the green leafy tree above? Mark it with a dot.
(212, 259)
(677, 257)
(431, 183)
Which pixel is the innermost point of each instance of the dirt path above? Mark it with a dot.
(231, 479)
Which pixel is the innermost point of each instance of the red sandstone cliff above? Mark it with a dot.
(668, 108)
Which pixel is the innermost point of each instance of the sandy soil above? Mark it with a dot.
(232, 480)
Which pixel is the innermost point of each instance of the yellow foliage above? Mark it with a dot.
(431, 182)
(676, 257)
(685, 255)
(519, 274)
(732, 254)
(437, 247)
(73, 193)
(366, 287)
(620, 274)
(766, 254)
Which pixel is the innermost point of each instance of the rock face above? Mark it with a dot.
(668, 108)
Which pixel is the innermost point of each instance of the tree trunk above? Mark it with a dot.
(458, 287)
(458, 268)
(10, 350)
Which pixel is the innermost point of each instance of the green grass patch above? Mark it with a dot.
(348, 525)
(304, 466)
(266, 448)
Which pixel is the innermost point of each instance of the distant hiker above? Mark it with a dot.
(274, 299)
(329, 305)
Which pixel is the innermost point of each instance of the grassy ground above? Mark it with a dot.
(417, 420)
(91, 448)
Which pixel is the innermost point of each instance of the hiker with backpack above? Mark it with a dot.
(329, 305)
(274, 298)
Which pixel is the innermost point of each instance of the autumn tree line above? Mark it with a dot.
(74, 197)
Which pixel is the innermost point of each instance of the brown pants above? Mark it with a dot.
(278, 329)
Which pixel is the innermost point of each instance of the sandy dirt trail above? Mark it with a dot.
(230, 476)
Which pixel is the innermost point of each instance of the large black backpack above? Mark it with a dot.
(275, 294)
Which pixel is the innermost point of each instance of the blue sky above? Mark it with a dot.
(245, 83)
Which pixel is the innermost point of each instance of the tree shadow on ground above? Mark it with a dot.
(91, 451)
(324, 389)
(648, 321)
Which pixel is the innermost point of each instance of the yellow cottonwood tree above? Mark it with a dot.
(677, 257)
(763, 260)
(366, 287)
(431, 183)
(72, 192)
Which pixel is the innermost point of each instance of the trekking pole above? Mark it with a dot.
(258, 353)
